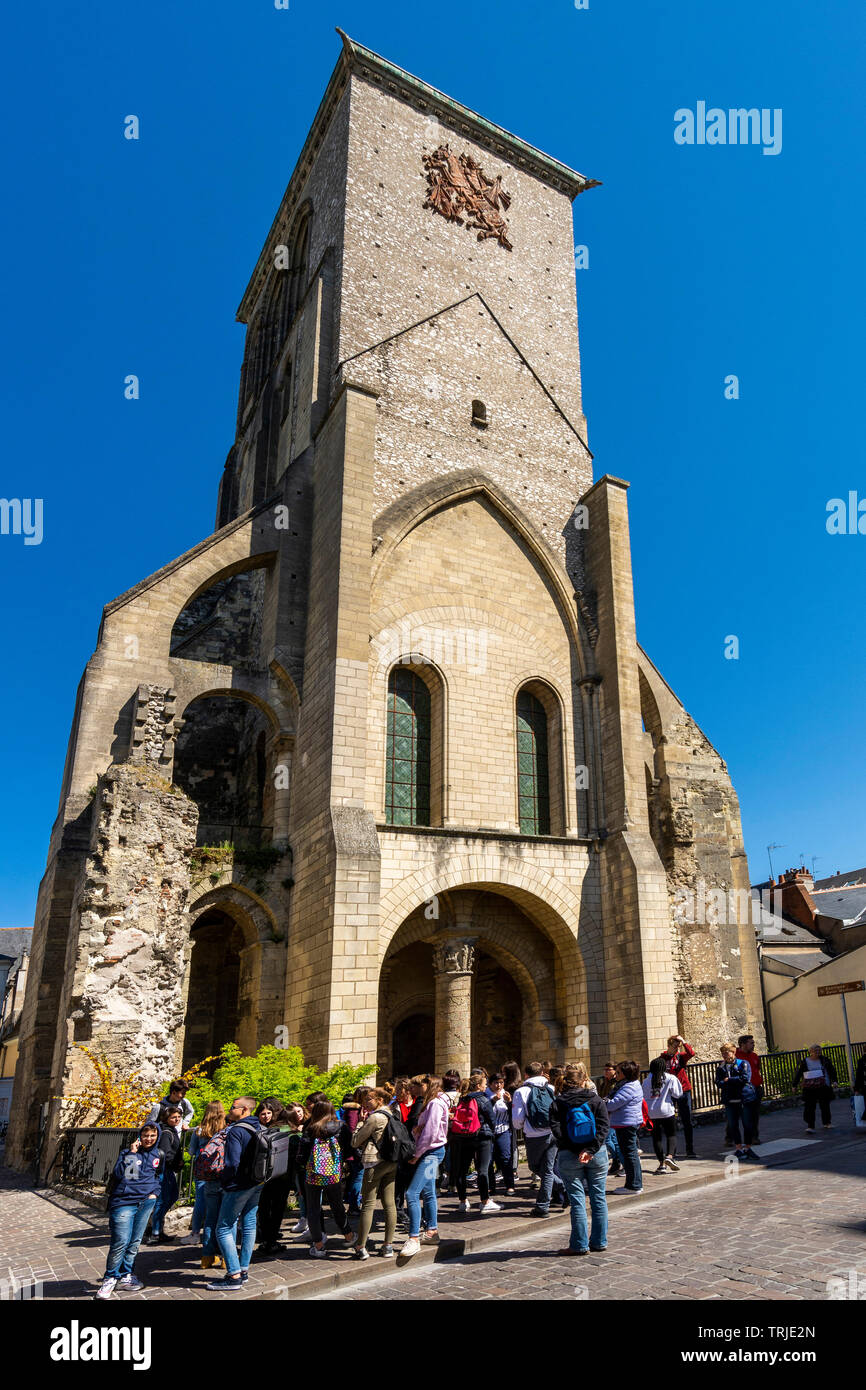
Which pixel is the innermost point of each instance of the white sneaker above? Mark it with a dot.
(463, 1206)
(490, 1205)
(106, 1288)
(410, 1246)
(300, 1227)
(318, 1254)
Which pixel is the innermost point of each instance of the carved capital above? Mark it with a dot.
(456, 956)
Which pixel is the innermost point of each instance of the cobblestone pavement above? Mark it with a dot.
(780, 1232)
(781, 1235)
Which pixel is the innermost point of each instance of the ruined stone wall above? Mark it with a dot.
(219, 763)
(129, 930)
(696, 816)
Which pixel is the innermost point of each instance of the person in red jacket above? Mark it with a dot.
(746, 1052)
(677, 1056)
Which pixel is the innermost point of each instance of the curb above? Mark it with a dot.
(495, 1233)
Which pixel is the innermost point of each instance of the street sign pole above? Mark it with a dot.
(848, 1041)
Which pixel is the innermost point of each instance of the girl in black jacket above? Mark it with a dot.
(474, 1144)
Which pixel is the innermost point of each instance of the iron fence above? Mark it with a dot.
(89, 1156)
(777, 1069)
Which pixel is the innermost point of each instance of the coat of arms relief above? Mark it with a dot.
(459, 190)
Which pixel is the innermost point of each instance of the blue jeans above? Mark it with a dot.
(422, 1189)
(238, 1206)
(541, 1157)
(580, 1179)
(502, 1160)
(613, 1148)
(627, 1139)
(354, 1179)
(126, 1224)
(165, 1201)
(211, 1200)
(197, 1218)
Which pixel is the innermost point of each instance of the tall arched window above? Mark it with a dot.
(407, 750)
(299, 266)
(533, 777)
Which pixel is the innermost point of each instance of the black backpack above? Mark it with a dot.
(266, 1155)
(396, 1144)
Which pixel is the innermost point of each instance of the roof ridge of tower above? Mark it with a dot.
(530, 156)
(356, 59)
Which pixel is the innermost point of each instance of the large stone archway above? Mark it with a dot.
(235, 975)
(494, 980)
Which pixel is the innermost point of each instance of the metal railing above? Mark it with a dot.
(777, 1069)
(89, 1156)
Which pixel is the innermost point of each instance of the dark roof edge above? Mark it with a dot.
(527, 156)
(356, 59)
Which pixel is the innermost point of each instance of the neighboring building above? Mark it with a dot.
(14, 957)
(379, 766)
(817, 936)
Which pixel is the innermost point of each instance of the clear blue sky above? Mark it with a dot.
(127, 257)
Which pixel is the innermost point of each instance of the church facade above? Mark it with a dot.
(379, 767)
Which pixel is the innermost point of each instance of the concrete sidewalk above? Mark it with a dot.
(56, 1239)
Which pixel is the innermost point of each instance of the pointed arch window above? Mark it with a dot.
(533, 776)
(407, 749)
(299, 266)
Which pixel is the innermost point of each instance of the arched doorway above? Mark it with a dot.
(413, 1045)
(213, 998)
(408, 1011)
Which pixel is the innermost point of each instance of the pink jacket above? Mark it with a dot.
(431, 1132)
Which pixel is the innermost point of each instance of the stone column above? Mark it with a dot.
(453, 965)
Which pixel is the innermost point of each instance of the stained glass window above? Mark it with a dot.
(407, 750)
(533, 783)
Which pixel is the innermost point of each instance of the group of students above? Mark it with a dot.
(403, 1145)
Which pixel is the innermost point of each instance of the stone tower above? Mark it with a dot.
(379, 767)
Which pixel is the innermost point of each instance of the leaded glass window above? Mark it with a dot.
(407, 750)
(533, 782)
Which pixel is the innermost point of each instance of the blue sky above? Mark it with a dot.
(705, 261)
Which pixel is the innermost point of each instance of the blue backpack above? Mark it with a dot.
(538, 1104)
(580, 1124)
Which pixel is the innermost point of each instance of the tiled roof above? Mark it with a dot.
(14, 941)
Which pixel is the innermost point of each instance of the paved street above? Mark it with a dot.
(779, 1231)
(780, 1235)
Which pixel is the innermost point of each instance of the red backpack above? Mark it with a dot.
(465, 1120)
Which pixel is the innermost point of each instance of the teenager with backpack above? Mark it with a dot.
(411, 1102)
(133, 1190)
(662, 1089)
(530, 1112)
(448, 1168)
(501, 1159)
(171, 1143)
(734, 1080)
(241, 1193)
(625, 1107)
(579, 1125)
(431, 1137)
(321, 1157)
(472, 1128)
(349, 1114)
(208, 1190)
(381, 1144)
(272, 1115)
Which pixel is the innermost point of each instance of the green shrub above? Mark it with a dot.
(273, 1071)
